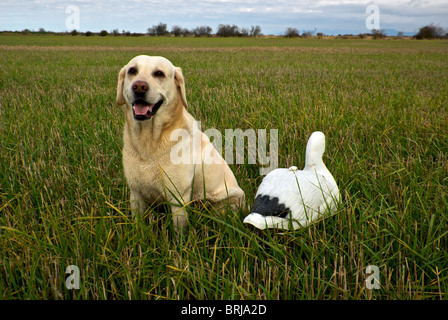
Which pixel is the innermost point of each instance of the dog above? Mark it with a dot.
(153, 92)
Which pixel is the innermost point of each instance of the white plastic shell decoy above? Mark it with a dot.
(292, 198)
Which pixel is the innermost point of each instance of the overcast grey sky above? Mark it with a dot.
(327, 16)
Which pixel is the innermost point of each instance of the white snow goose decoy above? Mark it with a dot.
(295, 198)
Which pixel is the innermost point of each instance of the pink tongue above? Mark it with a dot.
(142, 109)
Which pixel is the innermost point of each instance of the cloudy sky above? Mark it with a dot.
(274, 16)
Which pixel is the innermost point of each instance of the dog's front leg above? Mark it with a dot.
(180, 218)
(138, 205)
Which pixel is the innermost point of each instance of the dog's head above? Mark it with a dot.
(148, 84)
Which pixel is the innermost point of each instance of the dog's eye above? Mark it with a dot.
(132, 71)
(158, 74)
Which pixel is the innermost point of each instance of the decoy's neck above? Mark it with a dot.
(314, 150)
(313, 160)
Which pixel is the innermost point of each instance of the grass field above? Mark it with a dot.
(383, 106)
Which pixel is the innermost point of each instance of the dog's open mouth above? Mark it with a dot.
(143, 110)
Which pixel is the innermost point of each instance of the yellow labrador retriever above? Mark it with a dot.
(153, 91)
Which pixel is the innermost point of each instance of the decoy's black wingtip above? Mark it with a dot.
(267, 206)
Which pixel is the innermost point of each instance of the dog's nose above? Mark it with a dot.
(140, 87)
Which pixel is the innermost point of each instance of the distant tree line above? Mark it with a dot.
(227, 30)
(161, 30)
(431, 31)
(223, 30)
(294, 33)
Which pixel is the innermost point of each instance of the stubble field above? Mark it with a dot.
(383, 106)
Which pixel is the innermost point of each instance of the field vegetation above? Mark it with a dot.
(383, 106)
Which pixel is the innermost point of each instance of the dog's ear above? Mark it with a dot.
(120, 96)
(179, 80)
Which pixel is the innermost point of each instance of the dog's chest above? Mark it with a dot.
(144, 175)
